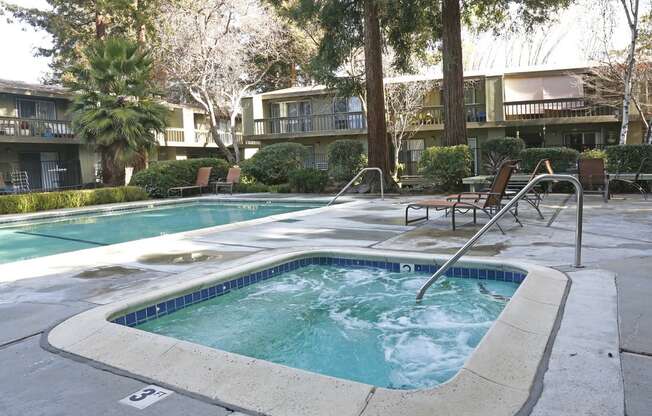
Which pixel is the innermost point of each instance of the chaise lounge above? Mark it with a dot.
(203, 176)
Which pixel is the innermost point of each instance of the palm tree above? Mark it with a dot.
(116, 107)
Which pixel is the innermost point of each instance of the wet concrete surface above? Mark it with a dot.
(613, 232)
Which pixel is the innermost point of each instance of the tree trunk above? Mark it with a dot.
(112, 174)
(453, 68)
(629, 70)
(236, 145)
(216, 135)
(376, 127)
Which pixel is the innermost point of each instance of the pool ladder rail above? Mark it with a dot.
(512, 202)
(380, 173)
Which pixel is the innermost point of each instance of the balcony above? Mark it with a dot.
(554, 109)
(174, 135)
(434, 115)
(331, 123)
(35, 128)
(204, 136)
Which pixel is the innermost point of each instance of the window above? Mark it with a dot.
(42, 110)
(581, 141)
(291, 116)
(348, 113)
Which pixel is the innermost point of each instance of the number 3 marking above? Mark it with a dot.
(143, 396)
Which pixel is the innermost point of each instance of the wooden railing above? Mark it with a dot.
(205, 136)
(311, 123)
(434, 115)
(27, 127)
(558, 108)
(174, 135)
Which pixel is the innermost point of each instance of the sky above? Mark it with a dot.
(566, 42)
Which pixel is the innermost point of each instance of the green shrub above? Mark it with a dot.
(446, 166)
(345, 159)
(308, 180)
(562, 158)
(627, 158)
(593, 154)
(271, 164)
(161, 176)
(251, 188)
(496, 151)
(34, 202)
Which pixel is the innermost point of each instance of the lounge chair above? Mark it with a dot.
(203, 175)
(633, 183)
(20, 181)
(232, 178)
(592, 176)
(534, 196)
(487, 202)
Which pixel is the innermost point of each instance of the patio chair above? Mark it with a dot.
(488, 202)
(203, 175)
(633, 183)
(20, 181)
(534, 196)
(592, 176)
(232, 178)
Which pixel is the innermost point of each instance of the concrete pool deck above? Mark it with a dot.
(587, 373)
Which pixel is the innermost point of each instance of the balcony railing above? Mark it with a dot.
(205, 136)
(174, 135)
(311, 123)
(558, 108)
(27, 127)
(434, 115)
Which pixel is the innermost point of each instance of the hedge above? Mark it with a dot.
(627, 158)
(562, 158)
(161, 176)
(308, 180)
(345, 159)
(496, 151)
(34, 202)
(271, 164)
(446, 166)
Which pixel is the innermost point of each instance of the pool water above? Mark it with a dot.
(357, 324)
(49, 237)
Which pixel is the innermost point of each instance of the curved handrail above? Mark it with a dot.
(380, 173)
(540, 178)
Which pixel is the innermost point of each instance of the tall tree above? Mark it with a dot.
(347, 30)
(217, 51)
(116, 107)
(631, 9)
(76, 24)
(415, 19)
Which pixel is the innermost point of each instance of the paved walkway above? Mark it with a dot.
(587, 375)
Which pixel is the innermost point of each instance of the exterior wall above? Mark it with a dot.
(88, 159)
(494, 98)
(247, 105)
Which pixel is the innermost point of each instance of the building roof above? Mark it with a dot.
(434, 76)
(25, 88)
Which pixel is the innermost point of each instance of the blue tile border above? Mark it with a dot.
(168, 306)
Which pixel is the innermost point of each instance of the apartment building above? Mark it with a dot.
(545, 107)
(36, 137)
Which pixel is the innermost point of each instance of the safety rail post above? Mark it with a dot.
(540, 178)
(380, 172)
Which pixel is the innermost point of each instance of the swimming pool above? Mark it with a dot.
(65, 234)
(343, 318)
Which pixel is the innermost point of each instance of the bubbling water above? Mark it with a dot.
(358, 324)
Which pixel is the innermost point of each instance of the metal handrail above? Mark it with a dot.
(380, 173)
(540, 178)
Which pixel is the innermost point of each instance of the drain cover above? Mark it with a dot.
(289, 220)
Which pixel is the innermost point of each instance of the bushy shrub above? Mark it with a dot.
(161, 176)
(627, 158)
(593, 154)
(345, 159)
(33, 202)
(561, 158)
(251, 188)
(446, 166)
(308, 180)
(496, 151)
(271, 164)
